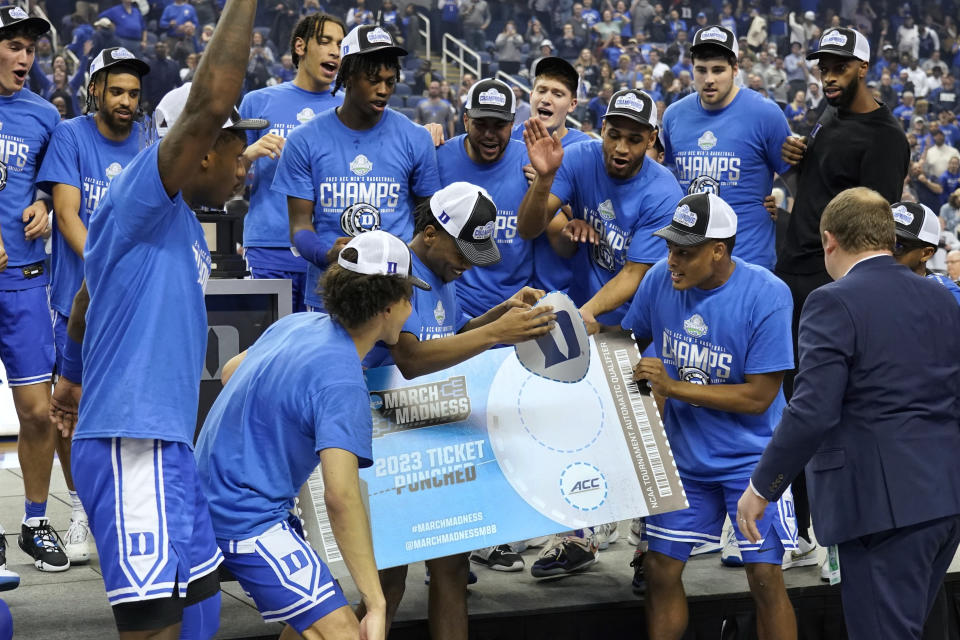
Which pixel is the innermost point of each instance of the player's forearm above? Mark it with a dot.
(429, 356)
(71, 228)
(77, 324)
(534, 213)
(351, 529)
(618, 290)
(732, 398)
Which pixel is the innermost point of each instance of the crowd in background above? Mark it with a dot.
(613, 44)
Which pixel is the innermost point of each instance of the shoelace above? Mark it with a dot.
(637, 560)
(45, 537)
(77, 532)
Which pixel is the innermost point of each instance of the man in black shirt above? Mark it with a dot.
(857, 142)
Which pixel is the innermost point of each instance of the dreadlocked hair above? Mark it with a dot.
(368, 64)
(310, 28)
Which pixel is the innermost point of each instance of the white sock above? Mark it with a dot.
(77, 512)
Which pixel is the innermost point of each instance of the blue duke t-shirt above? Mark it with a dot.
(26, 123)
(435, 314)
(550, 271)
(146, 267)
(624, 212)
(737, 150)
(80, 156)
(947, 282)
(481, 288)
(716, 336)
(263, 435)
(285, 106)
(357, 180)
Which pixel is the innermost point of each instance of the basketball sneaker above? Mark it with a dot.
(606, 534)
(8, 579)
(804, 556)
(639, 582)
(498, 558)
(730, 556)
(569, 555)
(40, 541)
(78, 541)
(635, 536)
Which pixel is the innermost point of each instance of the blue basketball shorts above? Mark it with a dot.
(285, 577)
(675, 534)
(148, 515)
(26, 335)
(298, 280)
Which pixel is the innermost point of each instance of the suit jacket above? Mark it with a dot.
(876, 405)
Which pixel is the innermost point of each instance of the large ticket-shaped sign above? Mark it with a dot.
(488, 452)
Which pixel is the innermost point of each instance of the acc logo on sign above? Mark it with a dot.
(358, 218)
(563, 354)
(583, 486)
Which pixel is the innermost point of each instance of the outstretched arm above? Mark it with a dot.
(216, 86)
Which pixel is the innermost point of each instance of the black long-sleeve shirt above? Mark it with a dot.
(844, 150)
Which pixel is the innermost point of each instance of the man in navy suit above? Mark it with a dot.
(874, 415)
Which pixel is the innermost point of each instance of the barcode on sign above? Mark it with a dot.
(330, 548)
(643, 425)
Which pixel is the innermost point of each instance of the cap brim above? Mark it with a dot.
(672, 234)
(489, 113)
(833, 52)
(712, 43)
(629, 116)
(142, 67)
(418, 283)
(389, 48)
(249, 124)
(37, 25)
(479, 254)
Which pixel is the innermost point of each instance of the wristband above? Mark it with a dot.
(71, 366)
(309, 245)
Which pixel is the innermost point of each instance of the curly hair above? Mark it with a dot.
(368, 64)
(354, 298)
(311, 28)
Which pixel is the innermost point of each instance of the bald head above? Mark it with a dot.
(953, 264)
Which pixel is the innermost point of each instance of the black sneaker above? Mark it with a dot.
(639, 582)
(42, 543)
(569, 555)
(8, 579)
(498, 558)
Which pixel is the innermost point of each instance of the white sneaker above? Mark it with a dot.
(730, 556)
(705, 547)
(636, 531)
(606, 534)
(804, 556)
(825, 570)
(78, 541)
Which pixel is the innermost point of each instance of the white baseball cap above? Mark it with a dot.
(700, 217)
(916, 221)
(172, 104)
(380, 254)
(467, 213)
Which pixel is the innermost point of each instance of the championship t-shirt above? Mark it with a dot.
(716, 336)
(26, 123)
(624, 212)
(481, 288)
(947, 282)
(279, 410)
(550, 271)
(358, 180)
(285, 106)
(147, 266)
(80, 156)
(732, 152)
(436, 313)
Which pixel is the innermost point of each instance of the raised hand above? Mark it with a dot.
(544, 150)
